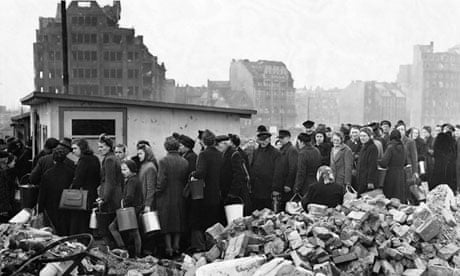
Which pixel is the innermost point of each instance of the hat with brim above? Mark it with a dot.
(283, 133)
(186, 141)
(222, 138)
(308, 124)
(264, 135)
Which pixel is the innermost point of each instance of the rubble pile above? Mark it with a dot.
(370, 235)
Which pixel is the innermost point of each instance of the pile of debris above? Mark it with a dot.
(370, 235)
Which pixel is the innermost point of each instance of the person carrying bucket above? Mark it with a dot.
(132, 197)
(233, 177)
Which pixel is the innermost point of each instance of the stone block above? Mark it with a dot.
(429, 229)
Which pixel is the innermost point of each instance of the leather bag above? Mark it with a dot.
(74, 199)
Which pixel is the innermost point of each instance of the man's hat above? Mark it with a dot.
(262, 128)
(66, 143)
(308, 124)
(385, 122)
(264, 135)
(222, 138)
(374, 125)
(304, 137)
(282, 133)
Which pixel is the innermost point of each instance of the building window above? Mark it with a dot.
(105, 38)
(106, 90)
(106, 73)
(120, 90)
(130, 91)
(87, 56)
(93, 55)
(113, 90)
(74, 20)
(87, 73)
(93, 73)
(119, 54)
(92, 127)
(94, 21)
(80, 55)
(51, 55)
(117, 39)
(119, 73)
(112, 56)
(113, 73)
(93, 38)
(129, 39)
(81, 20)
(106, 56)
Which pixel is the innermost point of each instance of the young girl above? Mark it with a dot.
(132, 197)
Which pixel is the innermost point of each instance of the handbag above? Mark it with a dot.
(74, 199)
(350, 194)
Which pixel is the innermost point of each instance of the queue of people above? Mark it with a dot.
(260, 173)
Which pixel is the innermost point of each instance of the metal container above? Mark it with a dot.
(381, 174)
(126, 218)
(421, 165)
(150, 222)
(93, 220)
(29, 195)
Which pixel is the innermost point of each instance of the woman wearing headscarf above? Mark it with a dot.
(111, 178)
(367, 162)
(172, 177)
(444, 162)
(147, 174)
(394, 160)
(325, 191)
(53, 182)
(87, 177)
(341, 160)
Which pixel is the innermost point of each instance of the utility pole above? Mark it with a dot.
(65, 61)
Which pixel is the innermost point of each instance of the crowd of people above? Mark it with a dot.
(260, 173)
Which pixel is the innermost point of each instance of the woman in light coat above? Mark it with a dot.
(147, 174)
(341, 160)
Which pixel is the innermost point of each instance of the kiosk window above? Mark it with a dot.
(89, 127)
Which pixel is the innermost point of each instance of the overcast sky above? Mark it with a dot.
(323, 42)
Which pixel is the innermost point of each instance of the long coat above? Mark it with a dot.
(325, 150)
(205, 212)
(367, 166)
(411, 153)
(148, 177)
(394, 161)
(191, 158)
(53, 182)
(342, 165)
(111, 182)
(87, 177)
(309, 161)
(172, 176)
(264, 170)
(288, 167)
(44, 163)
(444, 171)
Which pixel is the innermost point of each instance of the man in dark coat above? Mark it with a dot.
(411, 151)
(206, 211)
(50, 144)
(309, 160)
(288, 167)
(355, 145)
(264, 169)
(386, 129)
(310, 129)
(46, 162)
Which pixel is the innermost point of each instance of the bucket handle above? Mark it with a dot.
(294, 197)
(122, 203)
(237, 197)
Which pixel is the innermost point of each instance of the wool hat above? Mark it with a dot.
(282, 133)
(385, 122)
(66, 143)
(187, 141)
(222, 138)
(51, 143)
(308, 124)
(209, 138)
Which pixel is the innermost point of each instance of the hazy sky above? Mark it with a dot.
(323, 42)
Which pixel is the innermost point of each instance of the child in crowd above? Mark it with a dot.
(132, 197)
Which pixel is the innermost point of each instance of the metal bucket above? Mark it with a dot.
(233, 211)
(422, 167)
(126, 218)
(93, 220)
(29, 195)
(150, 222)
(197, 189)
(381, 174)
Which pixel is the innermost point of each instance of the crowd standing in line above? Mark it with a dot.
(260, 173)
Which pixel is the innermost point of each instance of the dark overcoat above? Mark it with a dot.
(367, 166)
(111, 182)
(309, 161)
(394, 160)
(172, 177)
(264, 170)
